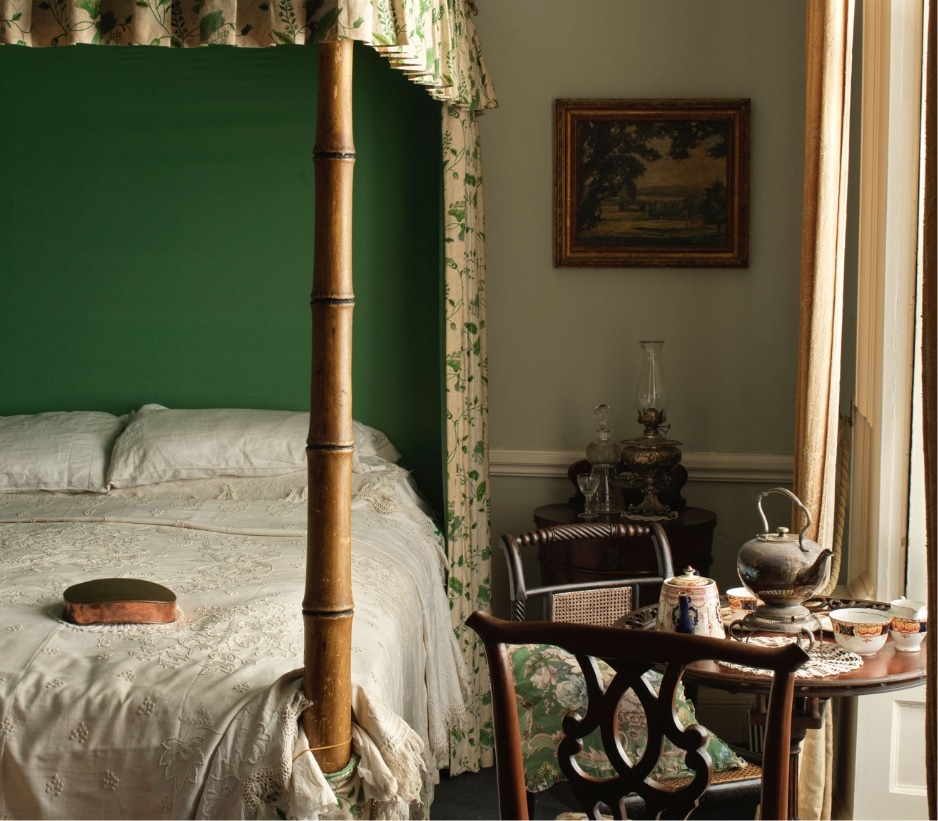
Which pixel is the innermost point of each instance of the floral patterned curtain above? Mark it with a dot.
(435, 44)
(468, 532)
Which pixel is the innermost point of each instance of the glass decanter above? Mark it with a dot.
(603, 455)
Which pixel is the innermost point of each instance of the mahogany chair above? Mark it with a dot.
(603, 602)
(630, 654)
(597, 601)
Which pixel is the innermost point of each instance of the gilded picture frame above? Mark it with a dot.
(651, 183)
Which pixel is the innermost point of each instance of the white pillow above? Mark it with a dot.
(161, 444)
(61, 451)
(373, 442)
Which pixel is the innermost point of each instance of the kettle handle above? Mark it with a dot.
(797, 501)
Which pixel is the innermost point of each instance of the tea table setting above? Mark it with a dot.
(855, 646)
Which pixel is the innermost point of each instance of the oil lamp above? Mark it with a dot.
(651, 456)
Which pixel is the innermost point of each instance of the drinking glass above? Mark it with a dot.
(588, 484)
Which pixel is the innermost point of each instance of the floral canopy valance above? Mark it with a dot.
(432, 41)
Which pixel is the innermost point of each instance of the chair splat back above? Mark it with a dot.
(631, 654)
(602, 714)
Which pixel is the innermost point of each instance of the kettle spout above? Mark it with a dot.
(815, 575)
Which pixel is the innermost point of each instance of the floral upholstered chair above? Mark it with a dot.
(603, 708)
(549, 685)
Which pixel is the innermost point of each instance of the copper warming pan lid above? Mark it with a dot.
(115, 601)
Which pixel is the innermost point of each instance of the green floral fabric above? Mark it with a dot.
(428, 39)
(467, 526)
(549, 685)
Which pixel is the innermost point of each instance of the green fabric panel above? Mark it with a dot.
(157, 217)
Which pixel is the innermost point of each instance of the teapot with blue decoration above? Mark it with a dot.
(690, 603)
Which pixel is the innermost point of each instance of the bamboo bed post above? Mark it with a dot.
(327, 602)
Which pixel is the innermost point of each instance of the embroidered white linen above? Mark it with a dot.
(196, 718)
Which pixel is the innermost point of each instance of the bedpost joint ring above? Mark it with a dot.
(333, 155)
(331, 300)
(328, 614)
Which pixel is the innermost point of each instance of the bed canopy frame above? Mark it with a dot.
(435, 45)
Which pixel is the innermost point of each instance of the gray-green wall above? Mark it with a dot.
(562, 340)
(157, 235)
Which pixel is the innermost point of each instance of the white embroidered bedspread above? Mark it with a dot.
(174, 721)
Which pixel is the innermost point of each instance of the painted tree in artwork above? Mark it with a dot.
(614, 154)
(713, 206)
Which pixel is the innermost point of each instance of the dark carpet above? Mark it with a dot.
(475, 796)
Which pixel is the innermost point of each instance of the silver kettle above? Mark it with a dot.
(782, 568)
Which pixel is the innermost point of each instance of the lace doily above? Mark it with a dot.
(824, 658)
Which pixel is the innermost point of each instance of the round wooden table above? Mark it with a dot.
(886, 671)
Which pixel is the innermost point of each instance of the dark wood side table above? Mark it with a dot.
(690, 536)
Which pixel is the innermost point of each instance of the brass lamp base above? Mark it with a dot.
(651, 458)
(649, 509)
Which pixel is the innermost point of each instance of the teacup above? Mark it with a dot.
(907, 633)
(908, 608)
(861, 630)
(741, 602)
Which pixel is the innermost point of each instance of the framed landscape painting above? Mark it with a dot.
(651, 183)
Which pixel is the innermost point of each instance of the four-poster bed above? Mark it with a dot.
(198, 717)
(437, 47)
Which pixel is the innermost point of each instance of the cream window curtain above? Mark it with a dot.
(829, 47)
(434, 42)
(829, 50)
(829, 43)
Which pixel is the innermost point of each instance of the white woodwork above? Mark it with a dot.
(890, 774)
(701, 467)
(885, 540)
